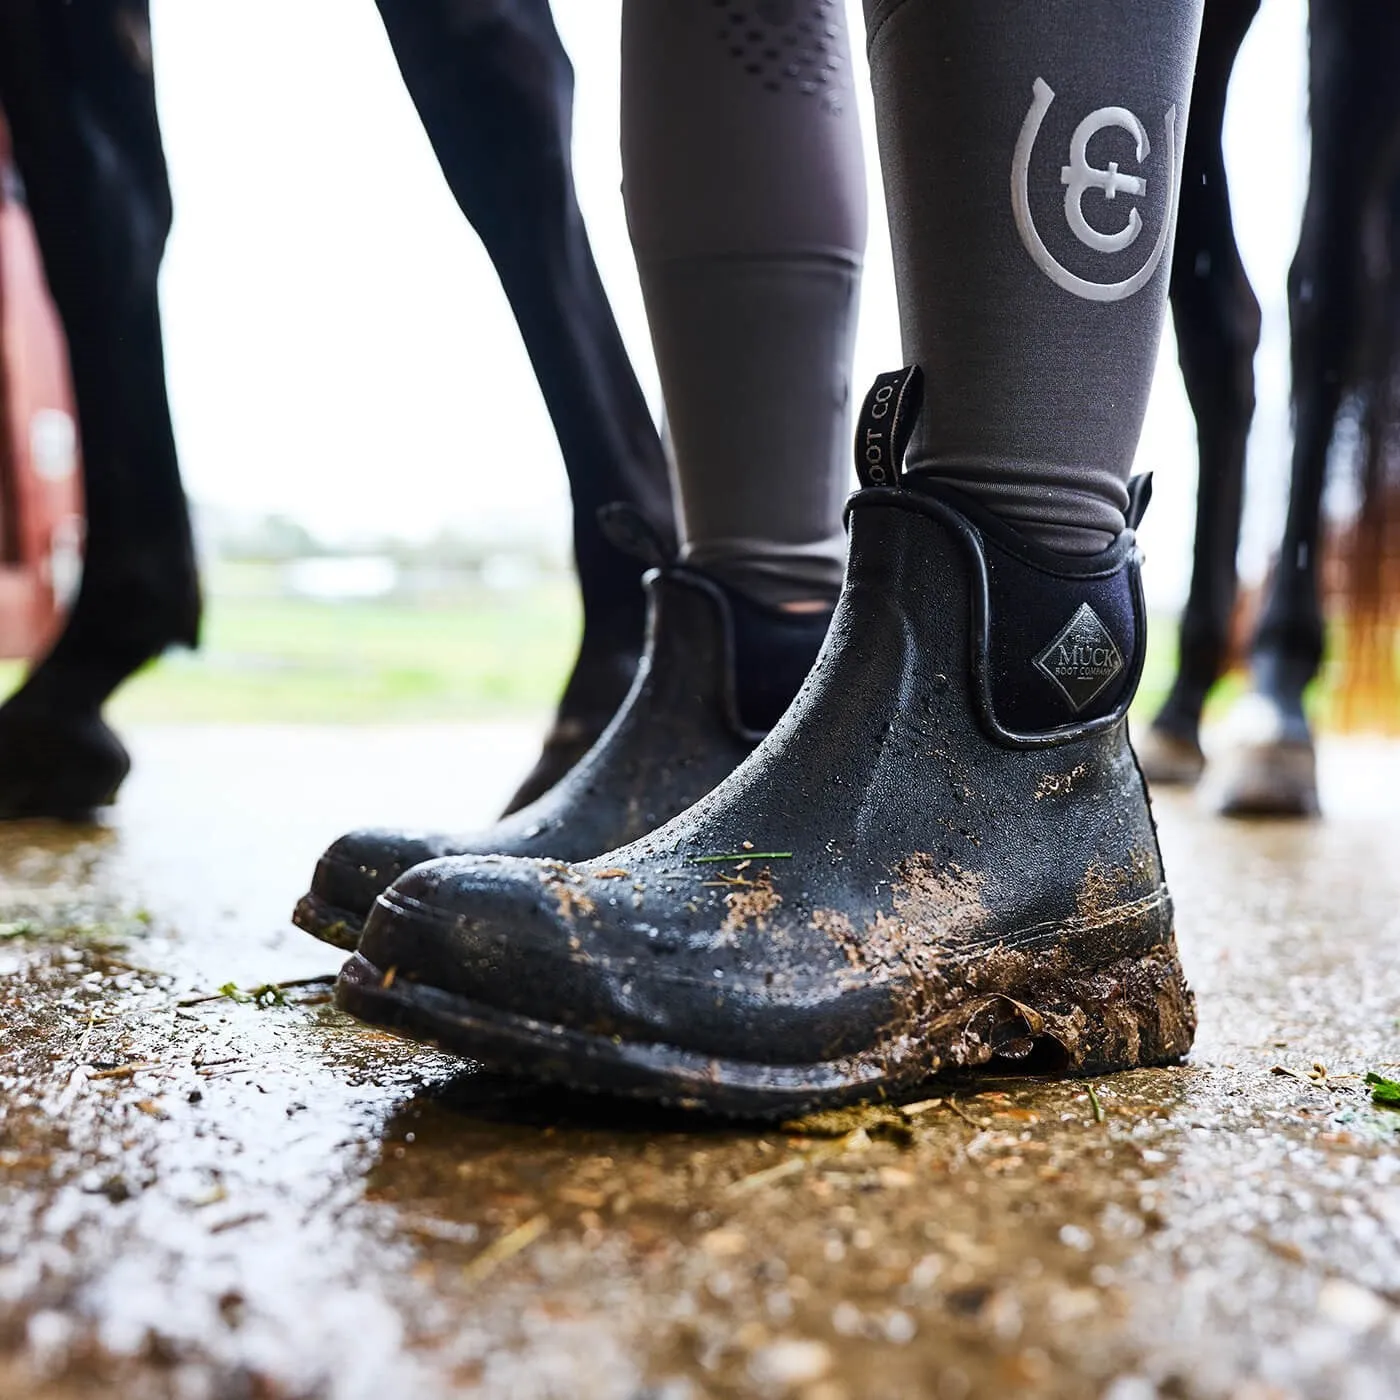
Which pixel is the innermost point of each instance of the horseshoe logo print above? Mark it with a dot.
(1079, 176)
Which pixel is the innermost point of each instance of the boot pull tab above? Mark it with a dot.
(626, 528)
(886, 424)
(1139, 496)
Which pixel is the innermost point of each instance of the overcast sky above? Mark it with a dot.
(337, 342)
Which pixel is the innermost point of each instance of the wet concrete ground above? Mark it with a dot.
(256, 1198)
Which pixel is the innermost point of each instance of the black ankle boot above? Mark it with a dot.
(717, 671)
(597, 686)
(942, 855)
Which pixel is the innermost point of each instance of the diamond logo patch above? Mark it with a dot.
(1082, 659)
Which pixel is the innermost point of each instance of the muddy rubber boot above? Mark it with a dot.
(941, 856)
(717, 672)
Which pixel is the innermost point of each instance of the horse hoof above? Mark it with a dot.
(63, 768)
(1168, 760)
(1276, 779)
(1265, 765)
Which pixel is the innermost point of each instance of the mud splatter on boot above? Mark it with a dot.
(941, 856)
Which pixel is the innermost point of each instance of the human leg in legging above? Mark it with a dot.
(1029, 151)
(745, 193)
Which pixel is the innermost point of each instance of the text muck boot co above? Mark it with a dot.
(941, 856)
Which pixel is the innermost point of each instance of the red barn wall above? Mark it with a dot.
(40, 483)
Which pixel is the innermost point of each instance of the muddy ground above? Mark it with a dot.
(249, 1196)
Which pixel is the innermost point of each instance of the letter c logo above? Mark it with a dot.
(1079, 176)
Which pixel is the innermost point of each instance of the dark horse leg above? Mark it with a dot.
(76, 86)
(494, 88)
(1216, 317)
(1354, 46)
(495, 91)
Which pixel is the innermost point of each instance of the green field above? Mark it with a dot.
(482, 654)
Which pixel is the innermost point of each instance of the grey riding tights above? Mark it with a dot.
(1029, 150)
(744, 184)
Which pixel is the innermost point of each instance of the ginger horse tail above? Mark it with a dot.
(1367, 692)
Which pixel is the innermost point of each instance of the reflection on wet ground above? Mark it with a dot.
(240, 1193)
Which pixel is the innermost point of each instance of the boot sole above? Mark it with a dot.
(339, 927)
(1126, 1014)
